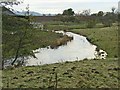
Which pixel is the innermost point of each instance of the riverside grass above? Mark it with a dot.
(105, 38)
(77, 74)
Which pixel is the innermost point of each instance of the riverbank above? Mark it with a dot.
(105, 38)
(77, 74)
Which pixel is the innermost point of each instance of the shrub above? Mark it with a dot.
(107, 23)
(91, 24)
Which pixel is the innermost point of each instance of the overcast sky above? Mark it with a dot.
(57, 6)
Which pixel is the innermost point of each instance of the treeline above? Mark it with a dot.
(106, 18)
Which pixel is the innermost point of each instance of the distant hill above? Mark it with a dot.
(33, 13)
(21, 13)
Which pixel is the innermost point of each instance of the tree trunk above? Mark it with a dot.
(18, 49)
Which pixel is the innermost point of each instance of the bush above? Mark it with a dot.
(67, 18)
(91, 24)
(107, 23)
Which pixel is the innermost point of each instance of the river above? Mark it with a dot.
(78, 49)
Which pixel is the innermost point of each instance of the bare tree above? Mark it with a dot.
(10, 3)
(22, 36)
(86, 12)
(113, 9)
(100, 13)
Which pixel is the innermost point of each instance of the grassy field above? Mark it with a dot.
(77, 74)
(57, 25)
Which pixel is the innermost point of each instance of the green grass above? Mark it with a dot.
(105, 38)
(65, 26)
(56, 25)
(77, 74)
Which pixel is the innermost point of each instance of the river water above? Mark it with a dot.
(78, 49)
